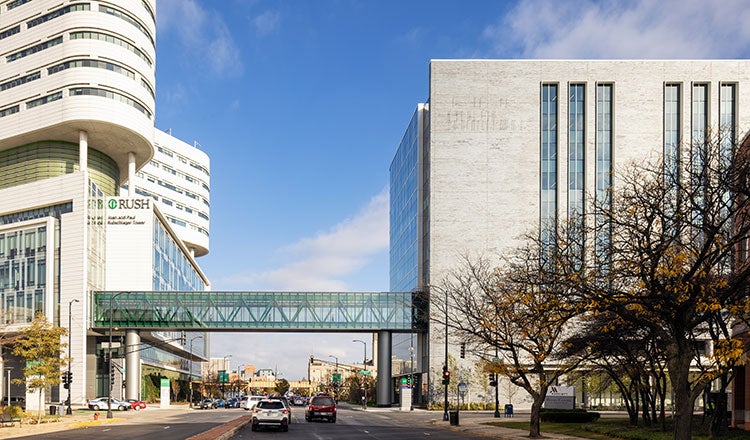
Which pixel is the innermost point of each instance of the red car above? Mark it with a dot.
(136, 404)
(323, 407)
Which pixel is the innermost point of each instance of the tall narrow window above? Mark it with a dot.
(603, 172)
(576, 166)
(671, 129)
(699, 151)
(726, 119)
(548, 183)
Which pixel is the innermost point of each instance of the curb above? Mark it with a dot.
(225, 431)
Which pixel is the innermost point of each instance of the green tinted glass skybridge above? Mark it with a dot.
(261, 311)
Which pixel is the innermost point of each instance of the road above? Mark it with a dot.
(350, 425)
(359, 425)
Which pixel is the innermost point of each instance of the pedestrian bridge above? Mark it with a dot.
(261, 311)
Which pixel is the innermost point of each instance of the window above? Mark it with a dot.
(19, 81)
(9, 111)
(672, 131)
(57, 13)
(576, 167)
(111, 39)
(128, 18)
(33, 49)
(90, 63)
(8, 32)
(16, 3)
(92, 91)
(604, 107)
(44, 100)
(548, 182)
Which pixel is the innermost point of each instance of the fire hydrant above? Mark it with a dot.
(96, 416)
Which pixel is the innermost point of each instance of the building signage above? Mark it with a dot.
(122, 211)
(560, 397)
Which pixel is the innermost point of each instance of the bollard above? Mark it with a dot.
(96, 416)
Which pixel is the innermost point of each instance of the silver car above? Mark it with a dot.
(101, 403)
(270, 413)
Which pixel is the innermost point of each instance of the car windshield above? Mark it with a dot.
(322, 401)
(271, 405)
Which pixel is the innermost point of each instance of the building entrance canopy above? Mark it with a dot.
(261, 311)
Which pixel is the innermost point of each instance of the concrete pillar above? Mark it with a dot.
(385, 398)
(83, 150)
(132, 364)
(131, 174)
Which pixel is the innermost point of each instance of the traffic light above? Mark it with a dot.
(183, 338)
(112, 374)
(493, 380)
(311, 359)
(70, 377)
(446, 375)
(463, 350)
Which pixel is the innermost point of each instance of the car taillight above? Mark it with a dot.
(286, 411)
(255, 410)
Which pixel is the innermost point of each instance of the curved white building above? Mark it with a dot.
(77, 98)
(78, 74)
(178, 177)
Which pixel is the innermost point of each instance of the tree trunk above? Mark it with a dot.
(679, 370)
(534, 422)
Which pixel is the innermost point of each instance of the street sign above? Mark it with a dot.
(336, 377)
(365, 372)
(462, 388)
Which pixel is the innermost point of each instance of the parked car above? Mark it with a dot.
(220, 403)
(252, 401)
(323, 407)
(233, 403)
(270, 412)
(101, 403)
(137, 404)
(208, 404)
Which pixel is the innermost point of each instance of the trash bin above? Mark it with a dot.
(453, 417)
(509, 410)
(52, 410)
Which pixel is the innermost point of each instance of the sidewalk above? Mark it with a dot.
(473, 423)
(79, 419)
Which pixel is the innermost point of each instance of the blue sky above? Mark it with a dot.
(301, 104)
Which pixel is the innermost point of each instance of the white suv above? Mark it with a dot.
(270, 413)
(252, 401)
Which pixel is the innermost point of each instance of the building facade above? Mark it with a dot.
(506, 146)
(76, 123)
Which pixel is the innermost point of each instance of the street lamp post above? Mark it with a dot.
(109, 351)
(69, 411)
(190, 368)
(364, 368)
(335, 383)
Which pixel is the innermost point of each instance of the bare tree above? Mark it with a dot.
(672, 261)
(520, 308)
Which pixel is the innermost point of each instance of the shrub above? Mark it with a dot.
(13, 410)
(568, 416)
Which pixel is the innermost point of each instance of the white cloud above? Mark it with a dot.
(313, 264)
(266, 23)
(203, 36)
(665, 29)
(321, 262)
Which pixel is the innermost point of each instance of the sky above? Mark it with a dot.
(301, 104)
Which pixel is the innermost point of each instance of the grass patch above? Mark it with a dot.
(622, 430)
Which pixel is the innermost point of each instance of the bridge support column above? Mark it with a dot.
(132, 364)
(384, 369)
